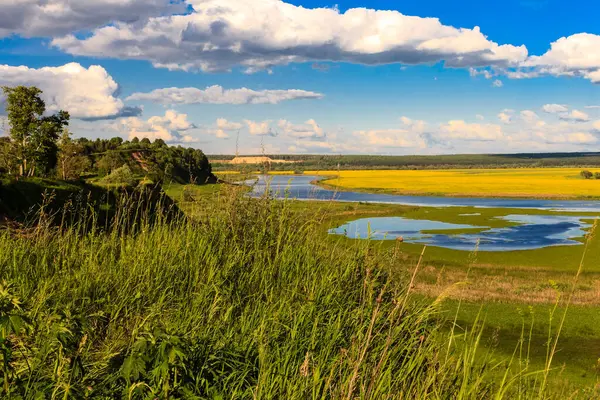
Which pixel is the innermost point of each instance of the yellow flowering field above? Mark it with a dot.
(532, 182)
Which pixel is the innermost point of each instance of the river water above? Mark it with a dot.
(532, 231)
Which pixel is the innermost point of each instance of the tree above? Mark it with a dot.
(72, 161)
(109, 162)
(7, 159)
(585, 174)
(33, 136)
(597, 175)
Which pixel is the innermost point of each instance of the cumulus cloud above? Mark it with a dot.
(462, 130)
(505, 117)
(217, 95)
(575, 55)
(529, 116)
(567, 138)
(260, 128)
(411, 134)
(389, 138)
(497, 83)
(575, 115)
(86, 93)
(309, 130)
(30, 18)
(223, 127)
(171, 127)
(563, 113)
(555, 108)
(486, 73)
(258, 35)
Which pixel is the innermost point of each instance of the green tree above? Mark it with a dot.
(585, 174)
(72, 161)
(33, 136)
(7, 160)
(109, 162)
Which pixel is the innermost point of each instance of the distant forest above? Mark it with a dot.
(332, 162)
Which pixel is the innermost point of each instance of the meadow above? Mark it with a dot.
(563, 183)
(509, 290)
(241, 298)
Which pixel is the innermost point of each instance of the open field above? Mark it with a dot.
(564, 183)
(262, 257)
(511, 291)
(244, 300)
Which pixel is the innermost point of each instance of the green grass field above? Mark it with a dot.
(250, 298)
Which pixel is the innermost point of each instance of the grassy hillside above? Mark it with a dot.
(31, 201)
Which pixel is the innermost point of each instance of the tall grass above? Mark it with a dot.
(245, 302)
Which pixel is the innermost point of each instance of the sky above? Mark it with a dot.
(312, 76)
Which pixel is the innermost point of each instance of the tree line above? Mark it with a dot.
(40, 145)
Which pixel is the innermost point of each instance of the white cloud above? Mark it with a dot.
(597, 126)
(568, 138)
(217, 95)
(480, 117)
(529, 116)
(461, 130)
(412, 125)
(505, 117)
(412, 134)
(563, 113)
(576, 115)
(224, 126)
(389, 138)
(222, 123)
(486, 73)
(260, 128)
(575, 55)
(497, 83)
(87, 93)
(258, 35)
(30, 18)
(309, 130)
(593, 107)
(555, 108)
(171, 127)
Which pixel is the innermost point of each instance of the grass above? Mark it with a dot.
(246, 300)
(500, 287)
(563, 183)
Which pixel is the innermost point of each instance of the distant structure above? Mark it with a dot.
(254, 160)
(251, 160)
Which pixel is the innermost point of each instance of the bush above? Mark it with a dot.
(597, 175)
(121, 176)
(585, 174)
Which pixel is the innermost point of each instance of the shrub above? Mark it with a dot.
(597, 175)
(121, 176)
(585, 174)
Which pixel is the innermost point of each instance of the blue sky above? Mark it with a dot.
(381, 77)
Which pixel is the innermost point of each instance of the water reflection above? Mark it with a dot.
(534, 232)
